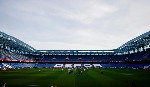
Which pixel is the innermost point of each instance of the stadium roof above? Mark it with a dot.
(142, 41)
(15, 43)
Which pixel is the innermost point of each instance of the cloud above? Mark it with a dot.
(79, 11)
(75, 24)
(87, 12)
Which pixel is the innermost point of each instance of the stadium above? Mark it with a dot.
(22, 65)
(74, 43)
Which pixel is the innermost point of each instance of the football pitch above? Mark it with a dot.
(90, 78)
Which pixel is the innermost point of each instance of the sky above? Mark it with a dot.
(75, 24)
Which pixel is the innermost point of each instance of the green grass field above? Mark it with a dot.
(90, 78)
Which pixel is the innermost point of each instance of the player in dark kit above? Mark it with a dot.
(101, 72)
(80, 72)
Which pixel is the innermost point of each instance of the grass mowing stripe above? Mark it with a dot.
(90, 78)
(106, 79)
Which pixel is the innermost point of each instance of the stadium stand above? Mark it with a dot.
(17, 54)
